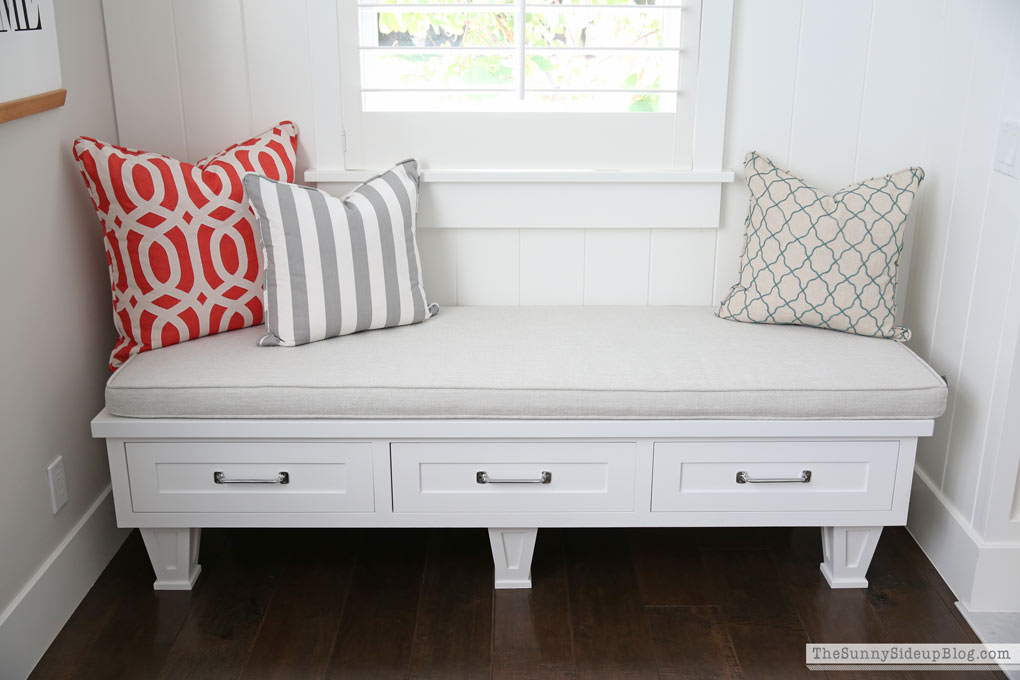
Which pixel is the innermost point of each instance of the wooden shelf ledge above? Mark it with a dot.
(37, 103)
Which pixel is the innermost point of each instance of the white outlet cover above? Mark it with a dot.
(58, 484)
(1007, 150)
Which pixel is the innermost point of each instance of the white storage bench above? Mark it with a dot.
(516, 419)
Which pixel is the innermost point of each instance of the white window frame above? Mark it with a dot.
(545, 197)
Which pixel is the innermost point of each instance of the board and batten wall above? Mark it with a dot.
(963, 306)
(837, 91)
(816, 85)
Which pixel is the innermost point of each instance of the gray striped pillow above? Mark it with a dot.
(339, 265)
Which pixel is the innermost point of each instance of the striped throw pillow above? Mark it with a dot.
(336, 266)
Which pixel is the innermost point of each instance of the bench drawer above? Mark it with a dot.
(828, 475)
(310, 476)
(512, 476)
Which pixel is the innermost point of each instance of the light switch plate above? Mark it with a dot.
(1007, 149)
(58, 484)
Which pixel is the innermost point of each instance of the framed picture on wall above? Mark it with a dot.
(30, 57)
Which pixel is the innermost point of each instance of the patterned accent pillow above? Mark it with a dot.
(180, 239)
(336, 266)
(814, 259)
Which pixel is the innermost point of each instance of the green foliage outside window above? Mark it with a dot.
(546, 69)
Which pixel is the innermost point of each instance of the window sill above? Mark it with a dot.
(536, 176)
(571, 199)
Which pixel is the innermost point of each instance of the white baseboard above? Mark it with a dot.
(981, 574)
(31, 622)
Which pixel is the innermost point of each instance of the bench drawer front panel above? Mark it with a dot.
(181, 476)
(444, 476)
(843, 475)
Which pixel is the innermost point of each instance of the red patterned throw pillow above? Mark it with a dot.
(181, 240)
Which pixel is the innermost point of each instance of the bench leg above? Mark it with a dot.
(848, 552)
(512, 550)
(174, 557)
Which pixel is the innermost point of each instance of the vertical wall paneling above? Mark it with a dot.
(279, 69)
(831, 65)
(713, 80)
(964, 242)
(215, 101)
(763, 70)
(999, 482)
(323, 38)
(985, 294)
(680, 267)
(1001, 519)
(900, 34)
(892, 115)
(999, 275)
(438, 251)
(964, 303)
(146, 84)
(616, 267)
(488, 266)
(942, 148)
(552, 267)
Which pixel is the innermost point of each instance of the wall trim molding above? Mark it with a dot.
(980, 573)
(539, 176)
(32, 620)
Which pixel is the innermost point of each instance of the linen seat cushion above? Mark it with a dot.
(539, 362)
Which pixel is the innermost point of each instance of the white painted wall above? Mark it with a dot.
(964, 305)
(817, 85)
(58, 331)
(836, 91)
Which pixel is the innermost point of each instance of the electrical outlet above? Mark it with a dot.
(58, 483)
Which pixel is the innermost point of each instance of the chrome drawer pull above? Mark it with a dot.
(282, 478)
(744, 478)
(483, 478)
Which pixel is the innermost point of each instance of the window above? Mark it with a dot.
(528, 113)
(513, 84)
(517, 55)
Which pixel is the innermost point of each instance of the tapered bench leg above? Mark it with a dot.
(174, 557)
(848, 552)
(512, 550)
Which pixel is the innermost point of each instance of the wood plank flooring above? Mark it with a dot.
(606, 603)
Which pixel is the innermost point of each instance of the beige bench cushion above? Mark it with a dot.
(538, 362)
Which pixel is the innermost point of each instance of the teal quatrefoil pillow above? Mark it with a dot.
(815, 259)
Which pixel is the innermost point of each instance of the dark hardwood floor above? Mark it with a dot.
(608, 603)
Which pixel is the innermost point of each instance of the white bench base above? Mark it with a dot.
(174, 556)
(847, 553)
(171, 477)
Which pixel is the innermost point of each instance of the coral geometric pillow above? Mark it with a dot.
(181, 241)
(822, 260)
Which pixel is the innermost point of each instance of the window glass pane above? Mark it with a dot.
(616, 4)
(599, 102)
(574, 28)
(436, 2)
(508, 102)
(579, 55)
(390, 70)
(442, 29)
(600, 70)
(440, 101)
